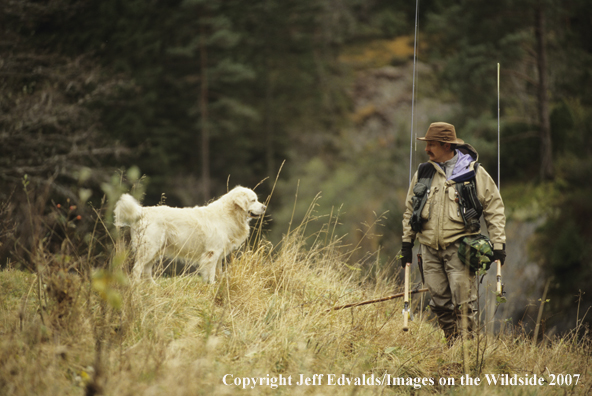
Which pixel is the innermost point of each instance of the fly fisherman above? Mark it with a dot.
(435, 218)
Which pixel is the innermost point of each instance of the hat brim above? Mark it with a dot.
(457, 141)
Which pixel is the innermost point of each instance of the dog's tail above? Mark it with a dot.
(127, 211)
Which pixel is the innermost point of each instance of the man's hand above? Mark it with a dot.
(407, 253)
(499, 255)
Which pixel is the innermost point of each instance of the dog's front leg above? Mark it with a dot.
(148, 273)
(209, 262)
(219, 265)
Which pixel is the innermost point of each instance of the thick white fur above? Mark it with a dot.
(202, 235)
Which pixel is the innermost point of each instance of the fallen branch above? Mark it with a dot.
(375, 301)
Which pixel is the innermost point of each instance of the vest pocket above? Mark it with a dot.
(426, 212)
(455, 220)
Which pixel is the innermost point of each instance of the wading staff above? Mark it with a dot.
(406, 299)
(500, 287)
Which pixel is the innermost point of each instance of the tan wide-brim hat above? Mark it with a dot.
(442, 132)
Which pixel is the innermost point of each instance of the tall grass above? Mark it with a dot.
(88, 330)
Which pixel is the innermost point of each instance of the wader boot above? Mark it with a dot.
(447, 320)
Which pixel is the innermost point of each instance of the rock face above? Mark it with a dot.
(521, 278)
(382, 105)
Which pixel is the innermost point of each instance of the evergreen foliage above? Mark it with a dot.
(467, 39)
(191, 90)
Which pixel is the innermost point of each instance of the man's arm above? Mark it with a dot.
(493, 209)
(408, 233)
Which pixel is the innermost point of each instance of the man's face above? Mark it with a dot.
(438, 152)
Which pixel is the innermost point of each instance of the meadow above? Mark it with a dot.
(78, 325)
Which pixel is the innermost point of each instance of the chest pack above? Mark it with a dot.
(468, 203)
(421, 191)
(470, 207)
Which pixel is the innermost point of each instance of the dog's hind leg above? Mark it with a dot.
(145, 255)
(144, 261)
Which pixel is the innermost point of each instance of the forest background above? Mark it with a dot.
(200, 95)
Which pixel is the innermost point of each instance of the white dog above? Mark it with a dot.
(202, 235)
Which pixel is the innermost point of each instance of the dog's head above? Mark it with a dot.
(246, 200)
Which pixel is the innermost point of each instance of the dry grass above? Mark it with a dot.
(82, 334)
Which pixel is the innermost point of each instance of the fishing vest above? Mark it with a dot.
(470, 207)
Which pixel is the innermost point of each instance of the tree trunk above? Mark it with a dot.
(203, 107)
(269, 133)
(543, 100)
(269, 106)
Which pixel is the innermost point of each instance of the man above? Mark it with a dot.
(440, 223)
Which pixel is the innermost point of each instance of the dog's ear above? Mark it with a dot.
(242, 200)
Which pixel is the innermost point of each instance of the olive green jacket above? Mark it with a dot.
(443, 223)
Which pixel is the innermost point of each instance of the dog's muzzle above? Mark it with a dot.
(256, 215)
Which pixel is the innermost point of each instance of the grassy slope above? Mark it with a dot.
(266, 316)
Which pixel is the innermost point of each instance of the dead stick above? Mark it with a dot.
(375, 301)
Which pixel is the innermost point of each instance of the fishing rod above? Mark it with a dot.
(498, 128)
(500, 286)
(406, 305)
(413, 91)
